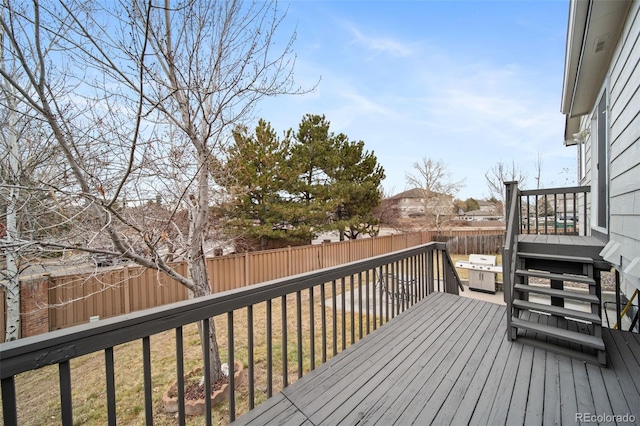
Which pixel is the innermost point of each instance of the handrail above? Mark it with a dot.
(510, 249)
(452, 277)
(424, 263)
(560, 190)
(554, 210)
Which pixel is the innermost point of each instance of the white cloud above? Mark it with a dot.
(380, 44)
(409, 99)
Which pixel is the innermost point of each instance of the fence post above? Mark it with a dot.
(246, 268)
(372, 246)
(127, 295)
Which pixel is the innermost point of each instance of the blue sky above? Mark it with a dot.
(466, 82)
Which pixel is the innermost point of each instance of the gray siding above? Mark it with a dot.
(624, 140)
(624, 136)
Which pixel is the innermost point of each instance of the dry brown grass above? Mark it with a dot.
(38, 394)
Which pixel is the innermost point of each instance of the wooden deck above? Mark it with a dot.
(447, 360)
(575, 245)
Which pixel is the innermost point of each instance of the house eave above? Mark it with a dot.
(571, 128)
(592, 34)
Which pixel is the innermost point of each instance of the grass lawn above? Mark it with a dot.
(38, 393)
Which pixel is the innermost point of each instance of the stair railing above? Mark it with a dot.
(554, 210)
(510, 249)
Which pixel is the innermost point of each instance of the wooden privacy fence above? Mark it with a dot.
(472, 244)
(55, 302)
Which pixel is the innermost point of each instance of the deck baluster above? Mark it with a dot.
(111, 385)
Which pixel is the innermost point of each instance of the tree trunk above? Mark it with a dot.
(198, 274)
(12, 329)
(198, 269)
(197, 263)
(13, 278)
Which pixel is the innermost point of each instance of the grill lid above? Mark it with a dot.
(482, 259)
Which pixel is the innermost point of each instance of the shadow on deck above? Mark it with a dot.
(447, 360)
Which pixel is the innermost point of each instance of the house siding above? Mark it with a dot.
(624, 140)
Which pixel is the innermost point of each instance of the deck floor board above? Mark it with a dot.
(551, 404)
(380, 355)
(447, 360)
(535, 402)
(425, 388)
(460, 405)
(466, 364)
(569, 404)
(518, 405)
(626, 377)
(413, 359)
(583, 387)
(389, 335)
(598, 390)
(502, 400)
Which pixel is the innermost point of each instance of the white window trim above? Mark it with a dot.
(594, 160)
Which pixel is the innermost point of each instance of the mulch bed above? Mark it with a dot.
(195, 391)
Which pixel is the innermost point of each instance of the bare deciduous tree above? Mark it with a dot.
(434, 179)
(539, 171)
(387, 213)
(501, 173)
(140, 98)
(26, 205)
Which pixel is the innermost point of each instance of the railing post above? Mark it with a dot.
(9, 407)
(509, 251)
(509, 188)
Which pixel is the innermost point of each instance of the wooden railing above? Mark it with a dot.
(510, 249)
(327, 294)
(539, 211)
(59, 301)
(554, 210)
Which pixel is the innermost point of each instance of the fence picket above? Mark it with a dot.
(134, 288)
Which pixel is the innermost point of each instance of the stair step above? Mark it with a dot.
(558, 257)
(558, 311)
(559, 277)
(565, 294)
(560, 350)
(559, 333)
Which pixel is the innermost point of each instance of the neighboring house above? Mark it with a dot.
(601, 102)
(489, 207)
(479, 215)
(565, 206)
(486, 211)
(417, 202)
(409, 203)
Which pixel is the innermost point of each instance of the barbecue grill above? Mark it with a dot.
(482, 272)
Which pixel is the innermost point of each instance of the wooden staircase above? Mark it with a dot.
(549, 314)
